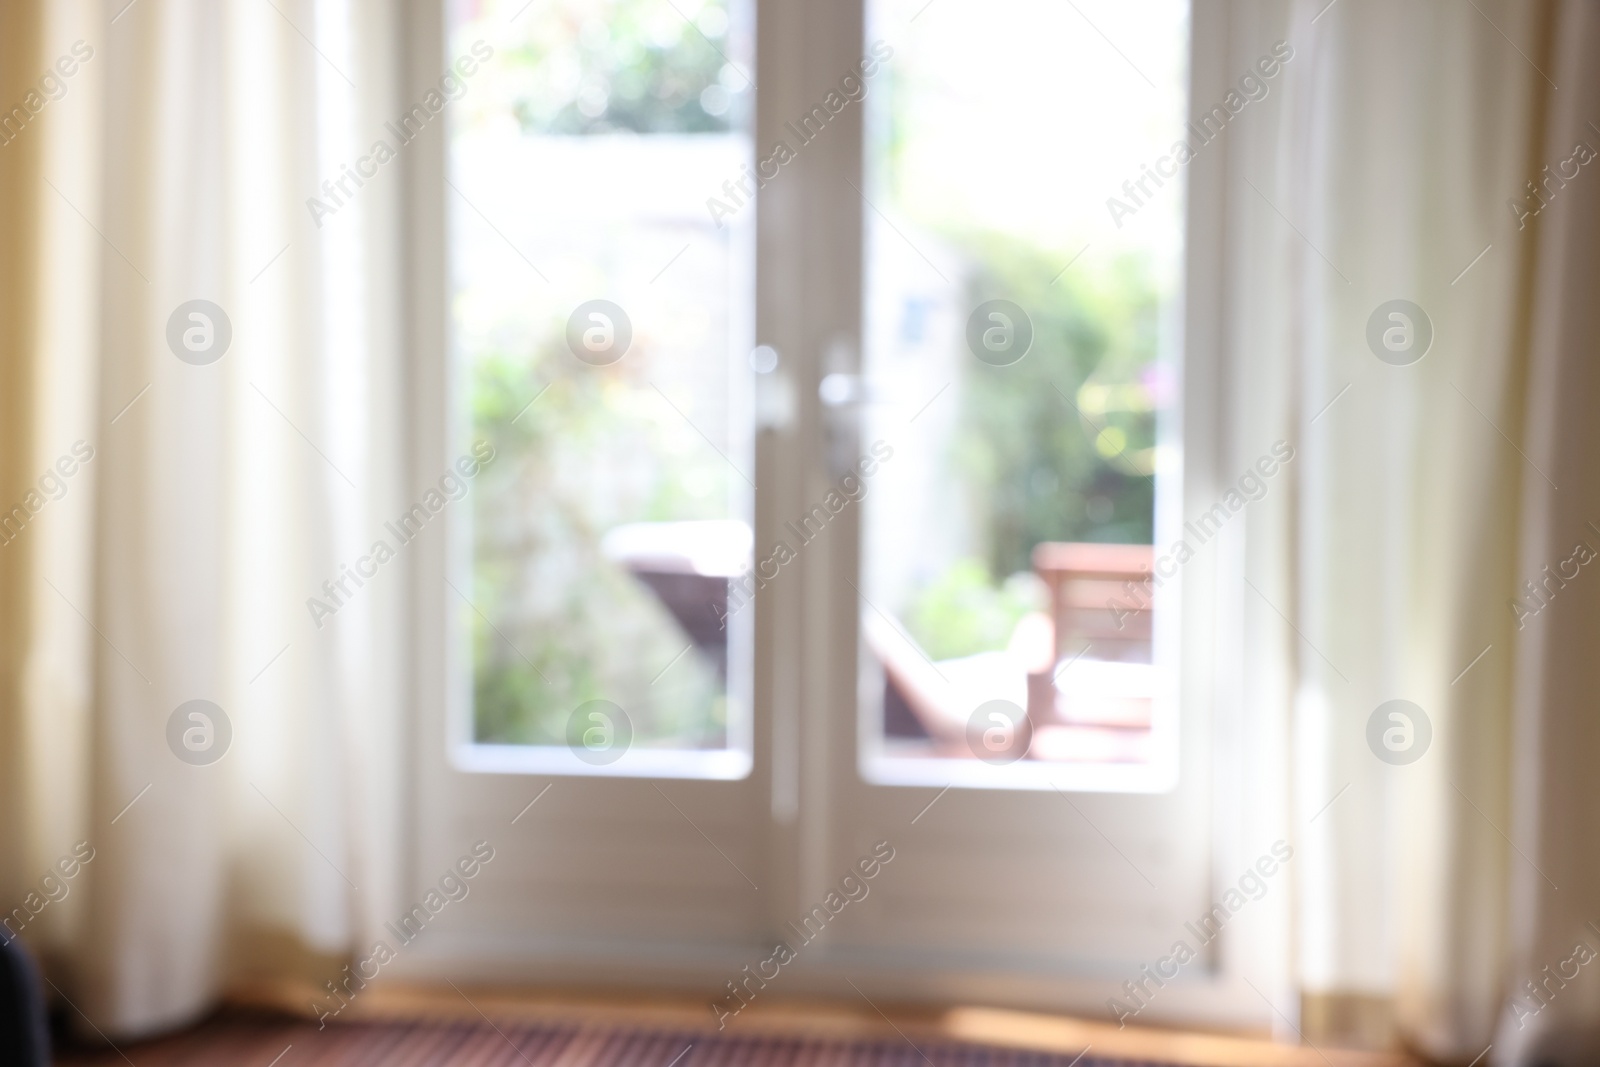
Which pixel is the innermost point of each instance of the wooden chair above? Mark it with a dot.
(1101, 606)
(1090, 600)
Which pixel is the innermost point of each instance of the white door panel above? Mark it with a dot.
(1041, 884)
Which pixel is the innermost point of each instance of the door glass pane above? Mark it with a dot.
(1024, 243)
(596, 307)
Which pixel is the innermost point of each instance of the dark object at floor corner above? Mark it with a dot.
(24, 1037)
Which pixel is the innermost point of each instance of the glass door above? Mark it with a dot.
(591, 714)
(598, 313)
(1005, 674)
(1022, 350)
(810, 381)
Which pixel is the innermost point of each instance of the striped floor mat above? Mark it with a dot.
(258, 1042)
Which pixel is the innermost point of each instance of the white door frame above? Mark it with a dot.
(805, 630)
(1242, 800)
(678, 861)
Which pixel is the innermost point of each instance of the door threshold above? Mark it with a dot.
(1032, 1031)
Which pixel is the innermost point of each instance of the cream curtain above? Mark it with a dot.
(1555, 730)
(213, 489)
(1395, 167)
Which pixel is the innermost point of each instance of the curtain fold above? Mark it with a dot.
(21, 43)
(47, 374)
(1426, 499)
(1553, 1011)
(232, 772)
(1418, 120)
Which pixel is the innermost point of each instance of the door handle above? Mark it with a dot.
(774, 395)
(843, 397)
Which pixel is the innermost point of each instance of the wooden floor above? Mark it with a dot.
(448, 1025)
